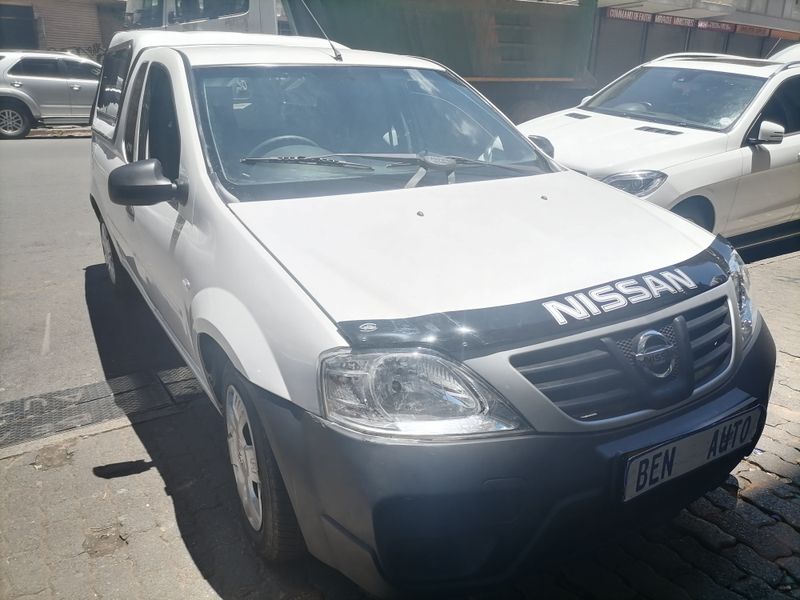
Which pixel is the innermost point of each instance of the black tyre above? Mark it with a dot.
(15, 121)
(119, 277)
(267, 512)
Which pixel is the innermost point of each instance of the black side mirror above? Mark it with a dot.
(142, 183)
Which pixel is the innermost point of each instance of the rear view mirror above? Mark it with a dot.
(141, 183)
(543, 144)
(768, 133)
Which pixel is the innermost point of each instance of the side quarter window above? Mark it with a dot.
(112, 83)
(158, 124)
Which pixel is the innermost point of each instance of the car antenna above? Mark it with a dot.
(336, 54)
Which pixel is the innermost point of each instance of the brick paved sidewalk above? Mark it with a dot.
(146, 509)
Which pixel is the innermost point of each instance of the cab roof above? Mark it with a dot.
(207, 48)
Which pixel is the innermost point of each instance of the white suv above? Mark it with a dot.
(715, 138)
(436, 351)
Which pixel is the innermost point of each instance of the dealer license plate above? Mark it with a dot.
(668, 461)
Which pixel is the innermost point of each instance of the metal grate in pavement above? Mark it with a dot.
(39, 416)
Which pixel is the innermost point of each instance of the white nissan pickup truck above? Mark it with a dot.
(437, 352)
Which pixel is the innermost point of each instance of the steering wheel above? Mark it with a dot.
(278, 141)
(635, 106)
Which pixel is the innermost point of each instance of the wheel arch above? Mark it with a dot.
(702, 205)
(225, 329)
(22, 99)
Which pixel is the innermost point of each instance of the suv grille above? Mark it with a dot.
(598, 378)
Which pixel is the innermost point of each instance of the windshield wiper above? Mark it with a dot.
(433, 162)
(324, 161)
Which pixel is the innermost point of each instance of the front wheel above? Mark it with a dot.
(14, 122)
(116, 272)
(269, 519)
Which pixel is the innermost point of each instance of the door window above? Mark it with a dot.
(158, 127)
(82, 70)
(133, 111)
(36, 67)
(784, 107)
(112, 83)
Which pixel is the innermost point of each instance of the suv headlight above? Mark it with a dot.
(638, 183)
(741, 283)
(410, 393)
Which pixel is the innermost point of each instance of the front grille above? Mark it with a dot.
(598, 378)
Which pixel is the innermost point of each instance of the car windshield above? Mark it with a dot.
(294, 131)
(674, 96)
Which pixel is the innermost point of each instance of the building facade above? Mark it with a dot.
(80, 26)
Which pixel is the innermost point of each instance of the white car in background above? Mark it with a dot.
(714, 138)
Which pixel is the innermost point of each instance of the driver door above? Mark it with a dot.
(162, 230)
(768, 193)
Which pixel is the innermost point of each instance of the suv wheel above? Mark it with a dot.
(14, 122)
(268, 515)
(116, 272)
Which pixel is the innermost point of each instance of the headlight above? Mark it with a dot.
(741, 282)
(410, 393)
(638, 183)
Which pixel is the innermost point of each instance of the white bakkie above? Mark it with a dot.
(714, 138)
(431, 344)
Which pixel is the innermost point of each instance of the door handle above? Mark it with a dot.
(75, 87)
(16, 84)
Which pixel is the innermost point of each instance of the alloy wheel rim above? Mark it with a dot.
(108, 254)
(11, 121)
(242, 451)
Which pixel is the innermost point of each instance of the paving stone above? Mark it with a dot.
(775, 464)
(764, 499)
(27, 573)
(720, 569)
(759, 540)
(791, 565)
(787, 534)
(782, 436)
(709, 534)
(755, 589)
(747, 560)
(753, 514)
(639, 575)
(790, 427)
(785, 451)
(722, 498)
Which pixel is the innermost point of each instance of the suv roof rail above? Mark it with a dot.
(789, 65)
(692, 55)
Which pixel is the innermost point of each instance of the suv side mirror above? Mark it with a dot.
(768, 133)
(141, 183)
(543, 144)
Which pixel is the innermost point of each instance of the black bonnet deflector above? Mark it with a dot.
(476, 332)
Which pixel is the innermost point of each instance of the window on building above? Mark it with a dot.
(36, 67)
(112, 83)
(191, 10)
(145, 13)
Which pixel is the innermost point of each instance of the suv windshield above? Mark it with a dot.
(685, 97)
(281, 132)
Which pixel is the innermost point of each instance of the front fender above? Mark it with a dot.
(220, 315)
(8, 92)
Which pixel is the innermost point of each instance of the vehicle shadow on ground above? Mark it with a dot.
(188, 448)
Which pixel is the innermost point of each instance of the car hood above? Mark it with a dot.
(600, 145)
(438, 249)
